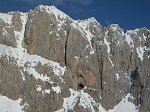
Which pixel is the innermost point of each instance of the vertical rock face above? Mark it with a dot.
(45, 36)
(46, 56)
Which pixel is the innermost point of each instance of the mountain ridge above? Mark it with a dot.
(49, 54)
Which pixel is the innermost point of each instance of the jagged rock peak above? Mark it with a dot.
(52, 9)
(89, 20)
(58, 13)
(114, 26)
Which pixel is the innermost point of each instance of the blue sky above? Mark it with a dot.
(129, 14)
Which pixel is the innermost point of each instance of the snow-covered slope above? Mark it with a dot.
(9, 105)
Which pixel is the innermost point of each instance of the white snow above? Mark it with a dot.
(144, 37)
(117, 75)
(107, 44)
(83, 27)
(9, 105)
(33, 60)
(6, 17)
(4, 32)
(125, 106)
(80, 98)
(133, 31)
(31, 70)
(119, 32)
(91, 52)
(140, 51)
(77, 58)
(50, 32)
(129, 40)
(108, 50)
(61, 17)
(69, 102)
(86, 101)
(114, 27)
(54, 10)
(48, 91)
(39, 88)
(57, 89)
(20, 35)
(58, 37)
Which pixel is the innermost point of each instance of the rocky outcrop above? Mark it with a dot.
(7, 34)
(45, 35)
(45, 55)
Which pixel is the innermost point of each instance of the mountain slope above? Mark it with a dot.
(45, 56)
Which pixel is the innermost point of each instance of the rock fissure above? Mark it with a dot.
(131, 54)
(137, 86)
(66, 45)
(101, 72)
(100, 67)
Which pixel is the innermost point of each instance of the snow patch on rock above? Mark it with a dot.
(108, 50)
(117, 75)
(6, 17)
(84, 27)
(86, 101)
(9, 105)
(53, 10)
(140, 51)
(129, 40)
(33, 61)
(80, 98)
(57, 89)
(125, 106)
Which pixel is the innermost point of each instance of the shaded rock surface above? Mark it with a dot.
(45, 54)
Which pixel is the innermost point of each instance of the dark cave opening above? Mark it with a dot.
(80, 86)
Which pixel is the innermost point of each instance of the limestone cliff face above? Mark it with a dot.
(45, 55)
